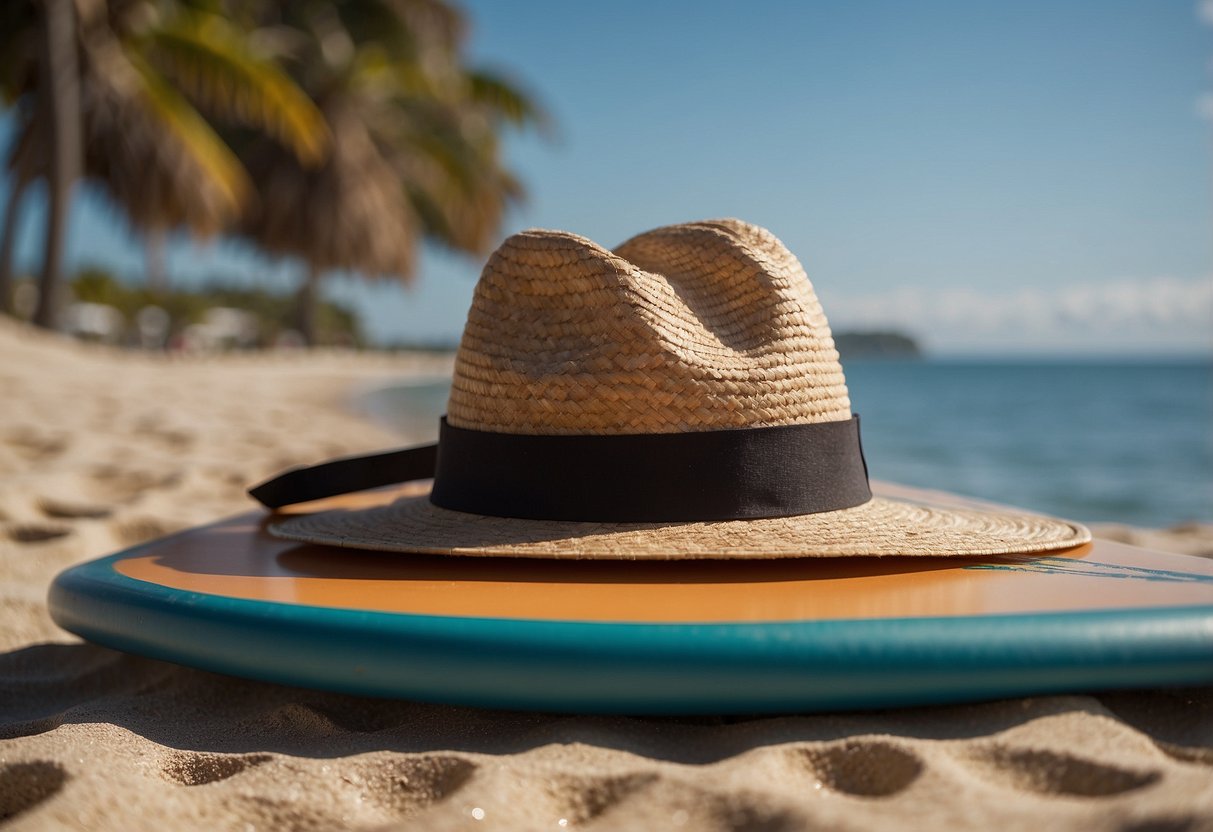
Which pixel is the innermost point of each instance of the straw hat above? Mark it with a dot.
(678, 397)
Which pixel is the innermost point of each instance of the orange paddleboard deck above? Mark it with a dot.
(650, 637)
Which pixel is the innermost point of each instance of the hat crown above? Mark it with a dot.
(701, 326)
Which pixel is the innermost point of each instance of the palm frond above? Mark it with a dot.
(411, 30)
(200, 144)
(217, 66)
(350, 212)
(417, 150)
(502, 98)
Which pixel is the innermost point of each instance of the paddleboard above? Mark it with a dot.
(651, 637)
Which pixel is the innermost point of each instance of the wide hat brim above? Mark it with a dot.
(881, 527)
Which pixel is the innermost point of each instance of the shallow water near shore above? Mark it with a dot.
(1097, 441)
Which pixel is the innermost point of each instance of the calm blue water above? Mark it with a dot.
(1092, 441)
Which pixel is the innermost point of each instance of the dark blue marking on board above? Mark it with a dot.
(1093, 569)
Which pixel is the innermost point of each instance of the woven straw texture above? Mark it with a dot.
(879, 527)
(702, 326)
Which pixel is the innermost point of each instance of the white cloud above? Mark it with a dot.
(1161, 313)
(1204, 106)
(1204, 11)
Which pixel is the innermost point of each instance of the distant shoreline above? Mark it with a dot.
(927, 356)
(850, 344)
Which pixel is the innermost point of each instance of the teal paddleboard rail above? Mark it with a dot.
(610, 667)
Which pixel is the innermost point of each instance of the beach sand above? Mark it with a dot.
(101, 449)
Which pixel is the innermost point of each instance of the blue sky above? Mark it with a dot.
(1029, 177)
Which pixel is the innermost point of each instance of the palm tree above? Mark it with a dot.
(196, 120)
(8, 234)
(18, 42)
(60, 93)
(153, 80)
(38, 55)
(415, 148)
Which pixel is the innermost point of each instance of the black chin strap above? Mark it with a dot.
(668, 477)
(346, 475)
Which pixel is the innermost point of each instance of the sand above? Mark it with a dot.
(101, 449)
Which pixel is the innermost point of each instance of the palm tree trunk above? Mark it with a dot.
(156, 261)
(61, 83)
(309, 302)
(8, 242)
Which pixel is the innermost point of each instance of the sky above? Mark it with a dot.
(993, 178)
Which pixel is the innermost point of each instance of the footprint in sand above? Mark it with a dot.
(174, 440)
(35, 532)
(190, 768)
(67, 510)
(1056, 774)
(586, 798)
(861, 767)
(629, 800)
(1171, 824)
(404, 785)
(25, 785)
(34, 447)
(111, 483)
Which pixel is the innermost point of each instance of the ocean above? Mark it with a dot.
(1093, 441)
